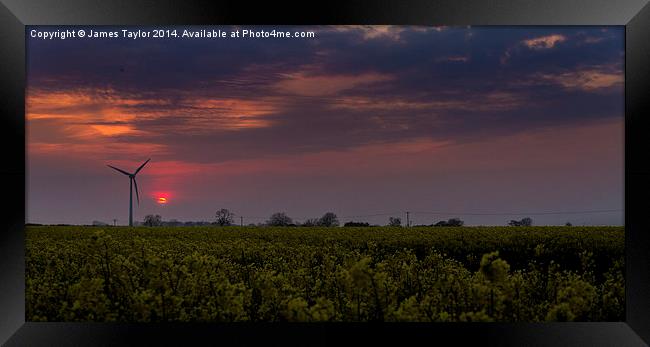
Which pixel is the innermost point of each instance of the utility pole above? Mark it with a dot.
(408, 223)
(114, 221)
(241, 219)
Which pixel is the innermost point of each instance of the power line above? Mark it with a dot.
(468, 213)
(519, 213)
(373, 215)
(355, 216)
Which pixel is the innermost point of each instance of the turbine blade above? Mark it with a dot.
(137, 196)
(141, 166)
(122, 171)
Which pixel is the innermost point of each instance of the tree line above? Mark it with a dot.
(225, 217)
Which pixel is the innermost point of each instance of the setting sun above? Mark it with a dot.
(162, 200)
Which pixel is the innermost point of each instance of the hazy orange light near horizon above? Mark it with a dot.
(162, 200)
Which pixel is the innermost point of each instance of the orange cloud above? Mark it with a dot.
(114, 130)
(391, 32)
(544, 42)
(588, 79)
(370, 32)
(229, 114)
(492, 101)
(106, 113)
(80, 105)
(98, 149)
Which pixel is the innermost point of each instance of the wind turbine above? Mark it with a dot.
(132, 182)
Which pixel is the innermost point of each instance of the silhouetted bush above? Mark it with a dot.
(224, 217)
(356, 224)
(329, 219)
(453, 222)
(151, 220)
(280, 219)
(525, 222)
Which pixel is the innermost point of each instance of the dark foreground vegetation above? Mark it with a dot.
(324, 274)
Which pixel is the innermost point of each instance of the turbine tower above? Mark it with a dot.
(132, 182)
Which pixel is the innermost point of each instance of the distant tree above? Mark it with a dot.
(356, 224)
(525, 222)
(394, 221)
(225, 217)
(279, 219)
(98, 223)
(311, 222)
(152, 220)
(329, 219)
(452, 222)
(568, 224)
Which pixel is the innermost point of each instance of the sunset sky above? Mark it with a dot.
(368, 122)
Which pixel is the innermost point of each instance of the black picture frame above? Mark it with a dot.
(633, 14)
